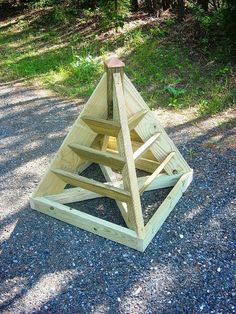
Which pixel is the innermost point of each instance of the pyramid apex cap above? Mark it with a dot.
(114, 62)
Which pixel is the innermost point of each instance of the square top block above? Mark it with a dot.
(113, 62)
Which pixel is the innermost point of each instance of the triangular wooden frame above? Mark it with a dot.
(117, 130)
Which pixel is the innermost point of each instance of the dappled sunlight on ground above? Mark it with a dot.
(67, 57)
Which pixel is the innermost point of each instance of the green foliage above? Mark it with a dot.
(39, 4)
(217, 31)
(113, 13)
(68, 59)
(175, 92)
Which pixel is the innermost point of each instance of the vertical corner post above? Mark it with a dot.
(112, 65)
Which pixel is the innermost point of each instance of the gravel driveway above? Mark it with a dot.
(50, 267)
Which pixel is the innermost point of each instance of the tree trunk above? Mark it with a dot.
(134, 5)
(181, 11)
(149, 7)
(156, 7)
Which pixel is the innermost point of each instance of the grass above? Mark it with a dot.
(67, 58)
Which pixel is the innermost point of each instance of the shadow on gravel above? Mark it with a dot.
(50, 267)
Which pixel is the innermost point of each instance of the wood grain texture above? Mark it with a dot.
(111, 160)
(93, 186)
(146, 146)
(102, 126)
(112, 65)
(87, 222)
(110, 177)
(156, 172)
(81, 134)
(125, 150)
(77, 194)
(148, 126)
(136, 118)
(112, 146)
(166, 207)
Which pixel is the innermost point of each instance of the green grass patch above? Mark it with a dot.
(68, 59)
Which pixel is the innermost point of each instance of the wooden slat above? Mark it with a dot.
(88, 222)
(77, 194)
(112, 65)
(136, 118)
(150, 125)
(110, 176)
(144, 164)
(112, 145)
(142, 149)
(80, 133)
(102, 126)
(97, 156)
(125, 149)
(156, 172)
(166, 207)
(92, 185)
(73, 195)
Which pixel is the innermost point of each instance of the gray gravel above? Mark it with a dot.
(50, 267)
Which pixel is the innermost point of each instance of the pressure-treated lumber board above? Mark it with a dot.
(135, 137)
(142, 149)
(94, 186)
(112, 160)
(142, 163)
(73, 195)
(112, 146)
(87, 222)
(125, 149)
(166, 207)
(112, 65)
(80, 133)
(110, 176)
(156, 172)
(109, 127)
(148, 126)
(102, 126)
(146, 165)
(136, 118)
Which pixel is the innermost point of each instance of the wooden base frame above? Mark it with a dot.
(118, 131)
(54, 208)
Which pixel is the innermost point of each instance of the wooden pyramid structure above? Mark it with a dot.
(116, 130)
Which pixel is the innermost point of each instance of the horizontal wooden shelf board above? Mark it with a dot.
(78, 194)
(93, 186)
(97, 156)
(102, 126)
(136, 118)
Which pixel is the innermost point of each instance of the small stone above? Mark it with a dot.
(181, 236)
(119, 299)
(219, 269)
(137, 291)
